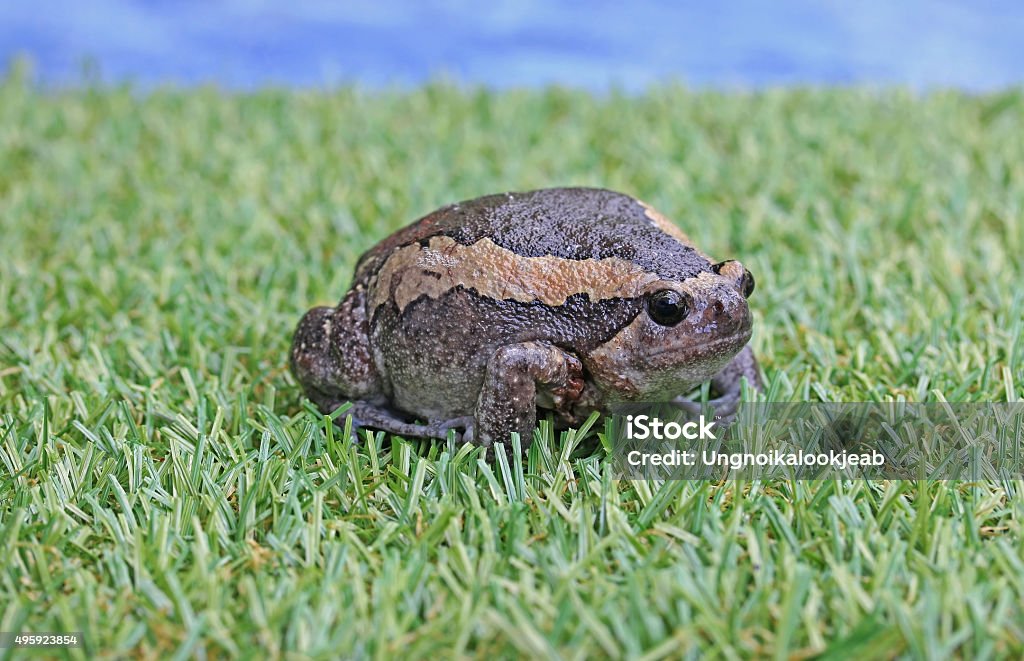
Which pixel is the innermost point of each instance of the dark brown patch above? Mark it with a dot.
(570, 223)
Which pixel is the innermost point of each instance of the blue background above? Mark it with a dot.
(593, 44)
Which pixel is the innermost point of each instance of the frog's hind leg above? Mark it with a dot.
(331, 355)
(365, 414)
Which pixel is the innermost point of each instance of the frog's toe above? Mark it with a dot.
(463, 427)
(353, 434)
(725, 407)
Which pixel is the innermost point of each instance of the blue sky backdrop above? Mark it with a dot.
(591, 44)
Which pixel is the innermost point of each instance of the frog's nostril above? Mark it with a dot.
(718, 308)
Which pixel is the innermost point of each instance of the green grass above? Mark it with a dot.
(164, 490)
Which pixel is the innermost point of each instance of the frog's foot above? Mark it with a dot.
(723, 408)
(465, 423)
(372, 416)
(365, 414)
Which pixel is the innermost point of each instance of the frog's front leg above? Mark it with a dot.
(517, 375)
(727, 384)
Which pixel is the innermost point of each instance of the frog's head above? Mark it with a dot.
(686, 331)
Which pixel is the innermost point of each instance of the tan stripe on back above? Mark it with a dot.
(498, 273)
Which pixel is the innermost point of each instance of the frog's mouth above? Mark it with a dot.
(738, 339)
(696, 352)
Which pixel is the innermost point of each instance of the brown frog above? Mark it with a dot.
(565, 300)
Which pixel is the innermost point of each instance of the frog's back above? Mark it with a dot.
(567, 223)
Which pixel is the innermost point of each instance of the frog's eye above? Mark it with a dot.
(667, 307)
(747, 283)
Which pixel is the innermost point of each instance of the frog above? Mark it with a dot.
(486, 314)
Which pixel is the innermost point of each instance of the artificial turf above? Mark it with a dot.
(165, 490)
